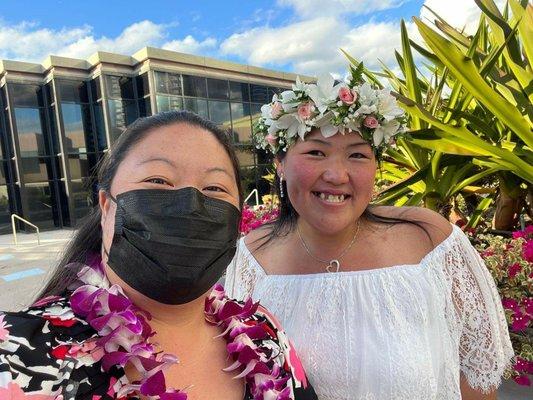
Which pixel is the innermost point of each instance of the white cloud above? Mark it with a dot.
(28, 42)
(310, 8)
(458, 13)
(192, 46)
(313, 46)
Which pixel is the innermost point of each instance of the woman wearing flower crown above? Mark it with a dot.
(129, 312)
(384, 302)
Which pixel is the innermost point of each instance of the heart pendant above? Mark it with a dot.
(334, 266)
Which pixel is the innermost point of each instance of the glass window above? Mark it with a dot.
(82, 197)
(219, 113)
(37, 169)
(56, 149)
(259, 94)
(5, 211)
(198, 106)
(272, 91)
(143, 86)
(49, 93)
(81, 165)
(3, 96)
(25, 95)
(161, 85)
(74, 91)
(255, 112)
(101, 139)
(78, 129)
(174, 84)
(241, 122)
(239, 91)
(96, 91)
(145, 107)
(217, 89)
(194, 86)
(40, 205)
(119, 87)
(3, 172)
(121, 114)
(162, 103)
(30, 133)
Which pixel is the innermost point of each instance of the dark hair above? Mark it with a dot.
(87, 240)
(288, 216)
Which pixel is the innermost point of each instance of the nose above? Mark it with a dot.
(336, 173)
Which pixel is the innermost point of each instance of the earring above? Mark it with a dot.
(281, 193)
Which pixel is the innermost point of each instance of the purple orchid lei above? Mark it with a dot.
(124, 337)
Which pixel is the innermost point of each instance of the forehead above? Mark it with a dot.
(350, 138)
(181, 143)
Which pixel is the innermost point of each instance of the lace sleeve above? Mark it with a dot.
(484, 346)
(241, 274)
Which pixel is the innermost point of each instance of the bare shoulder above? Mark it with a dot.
(430, 222)
(256, 240)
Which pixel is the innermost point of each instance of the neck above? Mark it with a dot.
(327, 246)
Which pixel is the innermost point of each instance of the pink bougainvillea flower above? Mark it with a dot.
(514, 270)
(510, 304)
(522, 380)
(527, 251)
(520, 322)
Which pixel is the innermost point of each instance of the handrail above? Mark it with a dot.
(13, 216)
(256, 197)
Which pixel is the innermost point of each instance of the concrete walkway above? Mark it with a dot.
(24, 269)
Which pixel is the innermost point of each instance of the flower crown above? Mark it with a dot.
(350, 106)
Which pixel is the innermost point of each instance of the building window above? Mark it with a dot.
(194, 86)
(217, 89)
(239, 91)
(198, 106)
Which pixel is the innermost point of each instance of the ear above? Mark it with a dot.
(104, 202)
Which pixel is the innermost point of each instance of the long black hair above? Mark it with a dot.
(87, 240)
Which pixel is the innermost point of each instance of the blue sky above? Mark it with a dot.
(292, 35)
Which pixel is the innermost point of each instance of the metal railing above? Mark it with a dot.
(13, 216)
(256, 197)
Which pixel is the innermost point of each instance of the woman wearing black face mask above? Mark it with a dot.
(131, 312)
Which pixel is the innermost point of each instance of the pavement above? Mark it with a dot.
(25, 267)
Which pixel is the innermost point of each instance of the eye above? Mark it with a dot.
(358, 155)
(158, 181)
(317, 153)
(215, 189)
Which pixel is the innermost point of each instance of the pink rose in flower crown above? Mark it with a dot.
(347, 96)
(305, 110)
(271, 139)
(371, 122)
(276, 110)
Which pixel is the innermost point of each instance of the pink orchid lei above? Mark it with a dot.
(124, 336)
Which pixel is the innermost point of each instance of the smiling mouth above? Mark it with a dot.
(331, 198)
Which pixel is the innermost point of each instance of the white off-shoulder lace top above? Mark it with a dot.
(395, 333)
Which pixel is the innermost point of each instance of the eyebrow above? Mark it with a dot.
(160, 159)
(218, 169)
(329, 144)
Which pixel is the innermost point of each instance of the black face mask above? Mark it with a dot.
(172, 245)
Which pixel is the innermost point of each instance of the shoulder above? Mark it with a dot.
(258, 239)
(42, 343)
(423, 221)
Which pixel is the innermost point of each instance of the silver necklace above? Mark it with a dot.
(333, 265)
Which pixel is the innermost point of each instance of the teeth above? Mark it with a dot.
(331, 198)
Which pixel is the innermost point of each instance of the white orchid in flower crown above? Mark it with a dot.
(352, 106)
